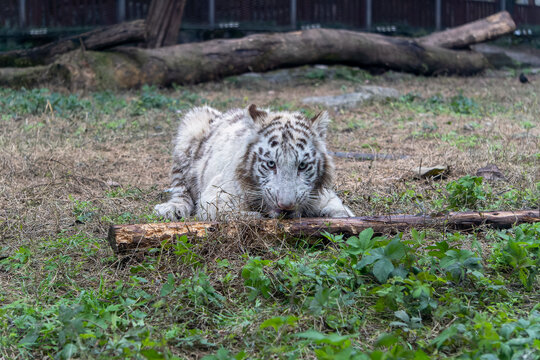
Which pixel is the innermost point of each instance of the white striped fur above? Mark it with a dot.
(249, 161)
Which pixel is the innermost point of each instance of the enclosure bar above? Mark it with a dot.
(438, 18)
(212, 12)
(293, 14)
(22, 13)
(120, 10)
(369, 9)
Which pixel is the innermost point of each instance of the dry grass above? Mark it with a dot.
(55, 168)
(45, 165)
(49, 162)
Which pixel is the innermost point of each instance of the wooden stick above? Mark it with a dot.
(366, 156)
(123, 238)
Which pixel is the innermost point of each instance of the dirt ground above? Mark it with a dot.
(73, 164)
(52, 164)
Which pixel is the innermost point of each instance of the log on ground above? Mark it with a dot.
(129, 67)
(472, 33)
(102, 38)
(125, 67)
(123, 238)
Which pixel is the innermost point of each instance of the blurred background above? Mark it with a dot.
(26, 23)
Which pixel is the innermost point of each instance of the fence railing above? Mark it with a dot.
(268, 14)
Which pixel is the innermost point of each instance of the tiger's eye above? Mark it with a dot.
(302, 166)
(271, 164)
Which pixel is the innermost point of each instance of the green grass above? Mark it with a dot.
(43, 101)
(392, 291)
(457, 105)
(72, 165)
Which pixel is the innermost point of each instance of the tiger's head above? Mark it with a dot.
(286, 165)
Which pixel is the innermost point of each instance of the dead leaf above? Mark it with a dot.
(490, 172)
(433, 172)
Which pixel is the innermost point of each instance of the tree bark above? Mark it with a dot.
(419, 56)
(106, 37)
(190, 63)
(163, 22)
(123, 238)
(128, 67)
(471, 33)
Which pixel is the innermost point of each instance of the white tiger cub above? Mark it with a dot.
(267, 164)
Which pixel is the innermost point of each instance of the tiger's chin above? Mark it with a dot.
(284, 214)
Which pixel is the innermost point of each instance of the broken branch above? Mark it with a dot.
(123, 238)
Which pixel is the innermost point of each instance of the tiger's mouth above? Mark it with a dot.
(283, 214)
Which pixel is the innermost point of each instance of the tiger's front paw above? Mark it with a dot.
(337, 212)
(172, 211)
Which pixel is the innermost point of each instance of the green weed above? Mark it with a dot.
(124, 192)
(40, 101)
(519, 253)
(466, 192)
(83, 210)
(437, 104)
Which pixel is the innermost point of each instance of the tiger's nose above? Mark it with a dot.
(285, 205)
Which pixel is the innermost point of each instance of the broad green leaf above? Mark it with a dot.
(402, 315)
(399, 324)
(320, 338)
(29, 339)
(275, 322)
(311, 335)
(152, 354)
(395, 250)
(382, 269)
(386, 340)
(68, 351)
(489, 357)
(366, 234)
(168, 287)
(444, 336)
(420, 355)
(367, 260)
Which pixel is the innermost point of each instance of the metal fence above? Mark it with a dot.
(267, 14)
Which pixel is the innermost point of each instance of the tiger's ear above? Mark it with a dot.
(319, 123)
(256, 114)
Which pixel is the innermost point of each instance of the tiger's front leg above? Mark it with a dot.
(330, 205)
(222, 203)
(179, 206)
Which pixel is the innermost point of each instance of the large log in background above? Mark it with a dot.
(198, 62)
(102, 38)
(123, 68)
(123, 238)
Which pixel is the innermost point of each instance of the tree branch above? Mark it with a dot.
(123, 238)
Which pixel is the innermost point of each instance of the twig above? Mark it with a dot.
(366, 156)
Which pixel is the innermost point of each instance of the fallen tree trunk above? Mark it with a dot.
(123, 238)
(128, 67)
(211, 60)
(471, 33)
(106, 37)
